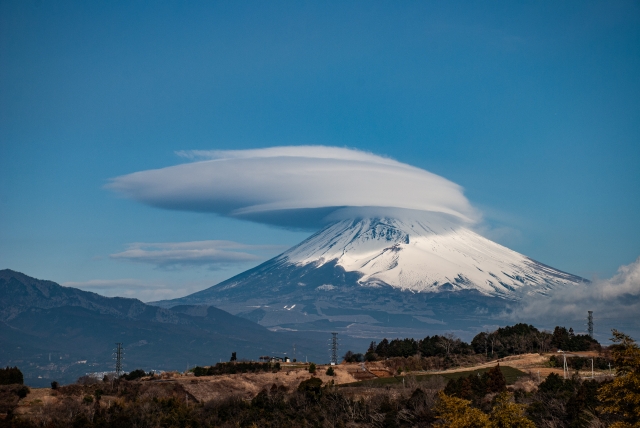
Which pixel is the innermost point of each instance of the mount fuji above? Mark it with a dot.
(385, 275)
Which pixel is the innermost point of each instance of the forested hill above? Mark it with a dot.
(509, 340)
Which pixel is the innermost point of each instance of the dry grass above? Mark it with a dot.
(37, 400)
(248, 385)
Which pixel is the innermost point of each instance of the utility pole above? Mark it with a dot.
(590, 324)
(119, 356)
(565, 369)
(334, 349)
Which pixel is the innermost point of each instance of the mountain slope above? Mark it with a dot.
(425, 256)
(60, 333)
(20, 293)
(375, 276)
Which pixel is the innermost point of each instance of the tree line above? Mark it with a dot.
(235, 367)
(11, 376)
(510, 340)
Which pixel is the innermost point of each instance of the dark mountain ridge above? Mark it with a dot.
(60, 333)
(20, 293)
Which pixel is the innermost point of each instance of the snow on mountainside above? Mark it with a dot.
(393, 276)
(426, 255)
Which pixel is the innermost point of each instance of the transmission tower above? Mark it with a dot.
(118, 355)
(590, 324)
(334, 349)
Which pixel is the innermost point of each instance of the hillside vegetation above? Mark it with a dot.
(468, 400)
(510, 340)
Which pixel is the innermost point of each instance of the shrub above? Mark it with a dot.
(330, 372)
(312, 368)
(231, 368)
(54, 385)
(350, 357)
(311, 386)
(22, 391)
(136, 374)
(87, 380)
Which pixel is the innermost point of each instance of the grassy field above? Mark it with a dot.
(510, 374)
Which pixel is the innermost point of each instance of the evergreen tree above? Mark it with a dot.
(11, 376)
(495, 381)
(560, 339)
(622, 396)
(382, 348)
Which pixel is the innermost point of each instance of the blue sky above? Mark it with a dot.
(533, 108)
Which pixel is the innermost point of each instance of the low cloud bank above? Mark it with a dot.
(114, 283)
(147, 291)
(615, 302)
(297, 186)
(212, 254)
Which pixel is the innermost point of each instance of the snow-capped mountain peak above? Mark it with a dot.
(425, 255)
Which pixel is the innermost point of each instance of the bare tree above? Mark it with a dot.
(449, 342)
(493, 340)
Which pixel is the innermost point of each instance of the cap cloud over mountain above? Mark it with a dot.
(296, 185)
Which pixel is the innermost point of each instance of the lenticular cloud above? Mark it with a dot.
(297, 186)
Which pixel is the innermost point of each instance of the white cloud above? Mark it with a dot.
(210, 253)
(615, 302)
(296, 186)
(146, 291)
(112, 283)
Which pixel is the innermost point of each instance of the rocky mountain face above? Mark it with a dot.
(60, 333)
(372, 277)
